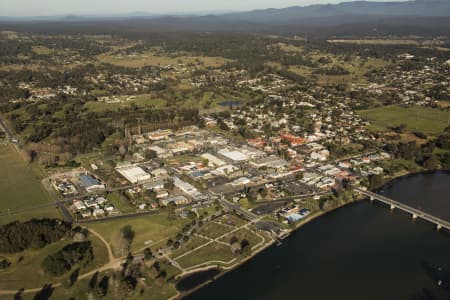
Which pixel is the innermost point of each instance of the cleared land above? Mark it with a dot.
(214, 230)
(211, 252)
(141, 101)
(152, 58)
(19, 186)
(416, 118)
(149, 230)
(242, 234)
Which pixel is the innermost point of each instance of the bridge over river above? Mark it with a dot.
(416, 213)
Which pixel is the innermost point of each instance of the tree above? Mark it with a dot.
(61, 262)
(171, 211)
(169, 185)
(45, 293)
(252, 195)
(375, 181)
(431, 163)
(103, 285)
(93, 281)
(263, 192)
(127, 234)
(150, 154)
(74, 277)
(246, 249)
(148, 254)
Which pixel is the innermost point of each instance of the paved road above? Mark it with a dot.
(231, 206)
(6, 129)
(59, 202)
(118, 217)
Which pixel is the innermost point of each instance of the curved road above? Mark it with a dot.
(113, 263)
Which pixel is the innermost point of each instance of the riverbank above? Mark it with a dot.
(351, 249)
(302, 223)
(225, 270)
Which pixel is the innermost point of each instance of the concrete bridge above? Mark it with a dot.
(416, 213)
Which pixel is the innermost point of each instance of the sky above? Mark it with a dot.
(24, 8)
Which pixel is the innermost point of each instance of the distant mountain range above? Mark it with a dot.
(419, 17)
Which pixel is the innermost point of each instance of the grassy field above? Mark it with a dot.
(44, 212)
(214, 230)
(154, 289)
(140, 101)
(427, 120)
(119, 203)
(150, 229)
(211, 252)
(357, 68)
(42, 50)
(19, 186)
(194, 242)
(242, 234)
(28, 273)
(152, 58)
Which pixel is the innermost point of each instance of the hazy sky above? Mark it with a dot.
(58, 7)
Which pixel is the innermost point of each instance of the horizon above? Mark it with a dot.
(51, 8)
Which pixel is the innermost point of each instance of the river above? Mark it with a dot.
(361, 251)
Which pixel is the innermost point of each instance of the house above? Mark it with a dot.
(101, 200)
(98, 212)
(225, 170)
(213, 159)
(273, 162)
(91, 203)
(179, 200)
(321, 155)
(240, 181)
(160, 152)
(86, 213)
(161, 194)
(345, 165)
(79, 205)
(109, 208)
(140, 140)
(257, 143)
(235, 156)
(159, 135)
(159, 173)
(293, 140)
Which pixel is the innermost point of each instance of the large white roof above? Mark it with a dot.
(233, 155)
(134, 174)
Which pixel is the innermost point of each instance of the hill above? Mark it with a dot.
(359, 18)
